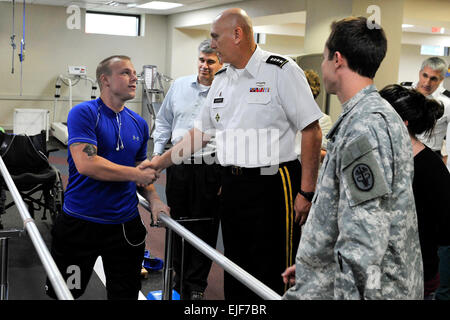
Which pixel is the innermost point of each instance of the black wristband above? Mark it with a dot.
(308, 195)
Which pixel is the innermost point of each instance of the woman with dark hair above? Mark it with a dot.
(431, 187)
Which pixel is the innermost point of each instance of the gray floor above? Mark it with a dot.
(26, 275)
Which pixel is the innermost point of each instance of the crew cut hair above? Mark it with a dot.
(104, 67)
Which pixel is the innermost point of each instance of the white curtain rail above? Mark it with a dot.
(229, 266)
(55, 277)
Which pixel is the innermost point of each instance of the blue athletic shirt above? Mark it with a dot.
(104, 201)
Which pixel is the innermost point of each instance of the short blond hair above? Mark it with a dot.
(104, 67)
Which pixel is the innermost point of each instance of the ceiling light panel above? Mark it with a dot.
(159, 5)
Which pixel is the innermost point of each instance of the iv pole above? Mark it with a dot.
(13, 36)
(22, 48)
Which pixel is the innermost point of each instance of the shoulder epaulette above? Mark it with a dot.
(446, 93)
(220, 71)
(277, 60)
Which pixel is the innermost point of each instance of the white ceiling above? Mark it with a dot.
(122, 7)
(287, 24)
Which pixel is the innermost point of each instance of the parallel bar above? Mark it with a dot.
(167, 290)
(11, 233)
(55, 277)
(182, 270)
(237, 272)
(4, 269)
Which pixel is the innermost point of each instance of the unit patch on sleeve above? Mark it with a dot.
(363, 177)
(277, 60)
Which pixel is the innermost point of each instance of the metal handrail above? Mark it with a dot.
(233, 269)
(53, 273)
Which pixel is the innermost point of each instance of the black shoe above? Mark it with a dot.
(196, 295)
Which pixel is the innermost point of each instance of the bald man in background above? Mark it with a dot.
(264, 197)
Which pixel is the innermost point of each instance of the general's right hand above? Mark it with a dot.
(301, 208)
(146, 176)
(289, 275)
(154, 163)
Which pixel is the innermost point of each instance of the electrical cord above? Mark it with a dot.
(126, 239)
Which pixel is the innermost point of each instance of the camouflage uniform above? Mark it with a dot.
(361, 238)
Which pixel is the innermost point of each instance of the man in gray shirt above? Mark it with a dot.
(192, 188)
(431, 75)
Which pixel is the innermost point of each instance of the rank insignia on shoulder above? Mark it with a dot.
(446, 93)
(277, 60)
(220, 71)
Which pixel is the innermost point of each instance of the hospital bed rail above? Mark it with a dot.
(53, 273)
(229, 266)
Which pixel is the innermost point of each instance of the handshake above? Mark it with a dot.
(147, 173)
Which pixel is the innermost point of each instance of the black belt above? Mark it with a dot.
(253, 172)
(242, 171)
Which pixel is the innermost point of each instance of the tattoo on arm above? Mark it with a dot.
(90, 150)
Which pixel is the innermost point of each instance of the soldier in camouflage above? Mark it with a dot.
(361, 239)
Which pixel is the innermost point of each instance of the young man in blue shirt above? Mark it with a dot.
(101, 218)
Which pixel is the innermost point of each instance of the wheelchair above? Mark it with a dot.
(39, 183)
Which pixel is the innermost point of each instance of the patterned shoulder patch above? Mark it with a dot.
(446, 93)
(220, 71)
(363, 177)
(277, 60)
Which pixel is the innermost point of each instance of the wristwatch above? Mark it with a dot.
(308, 195)
(154, 154)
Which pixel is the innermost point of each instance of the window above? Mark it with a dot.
(112, 23)
(434, 50)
